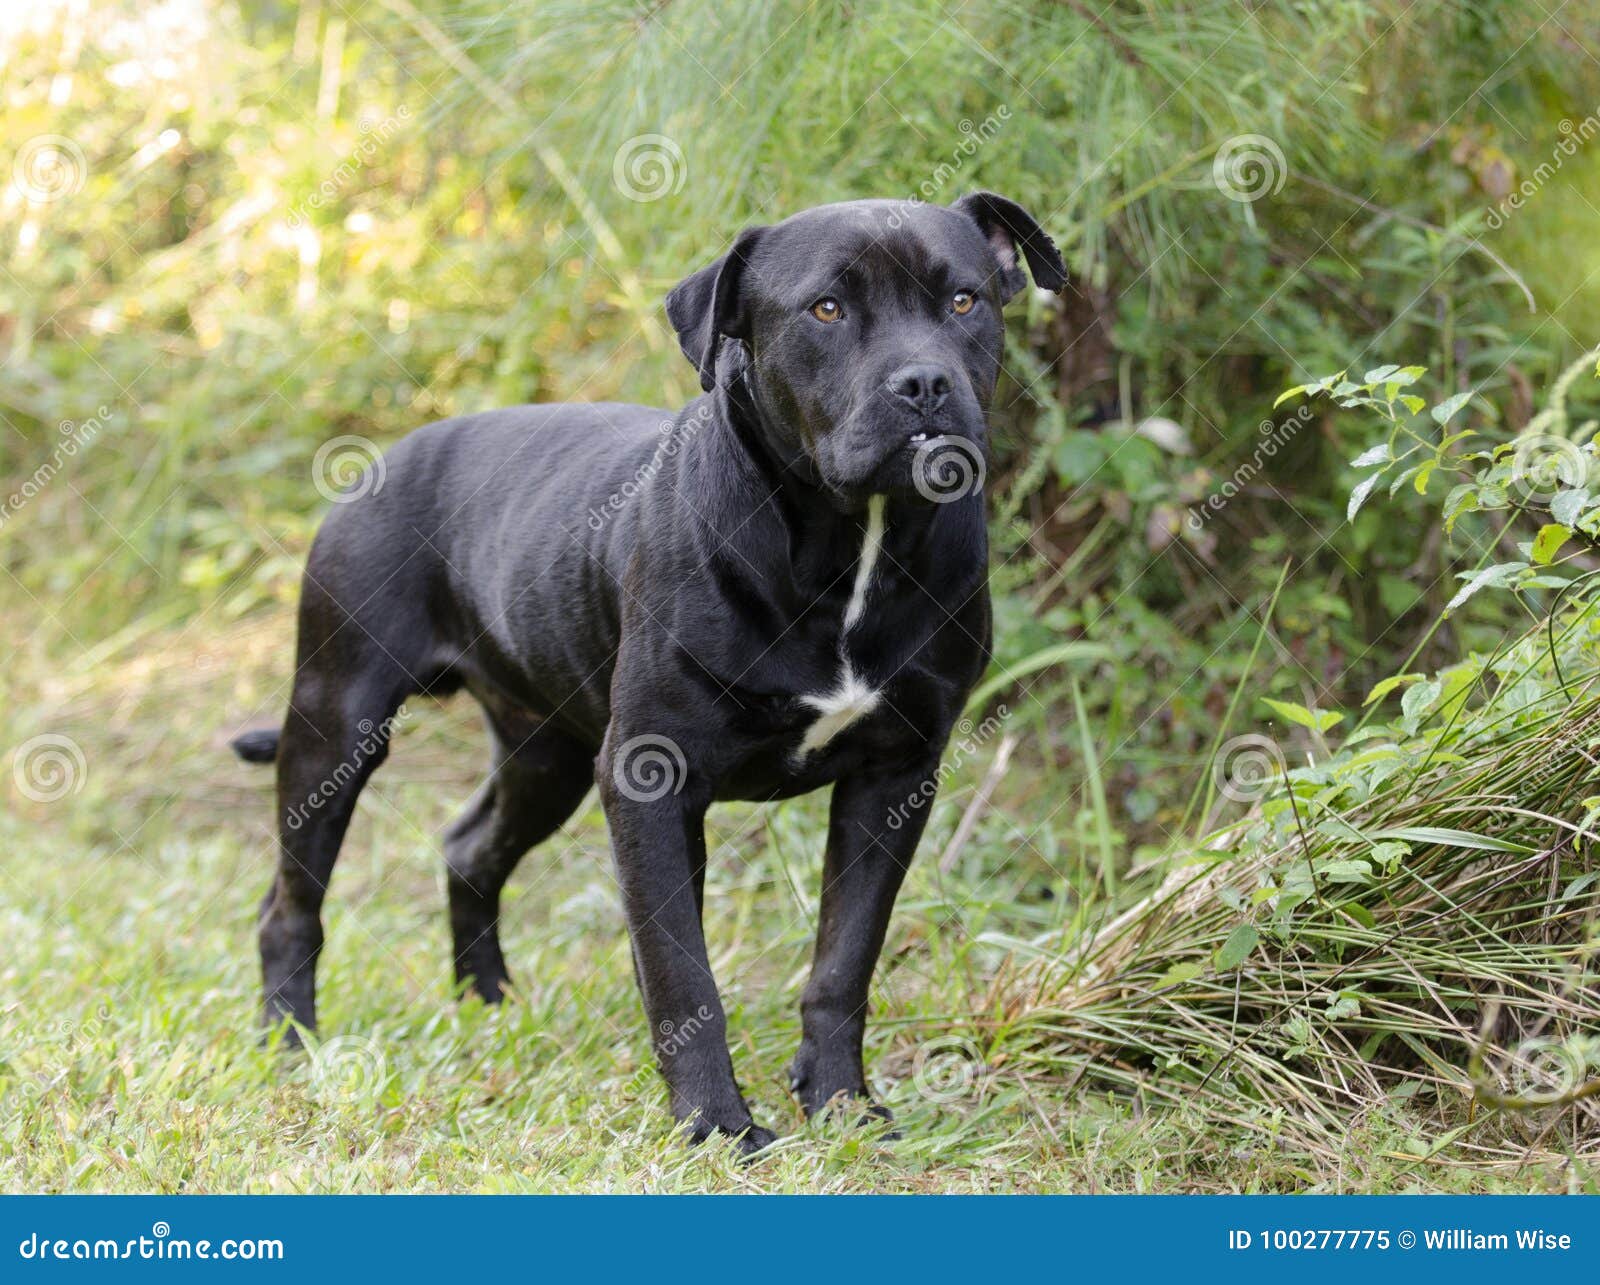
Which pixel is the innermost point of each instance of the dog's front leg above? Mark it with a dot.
(658, 840)
(873, 829)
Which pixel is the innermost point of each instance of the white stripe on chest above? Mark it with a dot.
(851, 699)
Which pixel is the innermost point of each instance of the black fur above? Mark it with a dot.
(615, 582)
(258, 745)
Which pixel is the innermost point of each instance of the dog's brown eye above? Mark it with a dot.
(961, 302)
(827, 310)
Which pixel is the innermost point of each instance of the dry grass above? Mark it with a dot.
(1297, 974)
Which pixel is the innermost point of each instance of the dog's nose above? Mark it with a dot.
(924, 387)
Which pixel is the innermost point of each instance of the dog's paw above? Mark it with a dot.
(753, 1141)
(835, 1091)
(854, 1109)
(877, 1113)
(748, 1140)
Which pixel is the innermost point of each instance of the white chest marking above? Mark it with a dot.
(871, 547)
(836, 710)
(851, 699)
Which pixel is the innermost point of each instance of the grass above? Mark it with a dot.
(129, 1060)
(202, 348)
(1413, 917)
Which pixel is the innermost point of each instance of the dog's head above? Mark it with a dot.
(866, 330)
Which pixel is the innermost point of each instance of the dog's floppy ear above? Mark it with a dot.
(1012, 230)
(709, 304)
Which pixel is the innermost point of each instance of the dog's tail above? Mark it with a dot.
(260, 745)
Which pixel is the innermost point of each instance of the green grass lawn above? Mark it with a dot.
(129, 1059)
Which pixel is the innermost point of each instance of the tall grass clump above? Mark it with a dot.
(1413, 915)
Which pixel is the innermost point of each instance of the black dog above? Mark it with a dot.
(781, 586)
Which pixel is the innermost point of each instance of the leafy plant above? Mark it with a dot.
(1414, 913)
(1548, 469)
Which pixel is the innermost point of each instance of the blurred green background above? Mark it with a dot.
(269, 225)
(232, 232)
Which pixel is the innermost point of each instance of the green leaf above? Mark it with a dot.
(1379, 454)
(1496, 575)
(1390, 855)
(1443, 412)
(1549, 541)
(1419, 700)
(1287, 393)
(1462, 499)
(1342, 1007)
(1178, 974)
(1446, 838)
(1378, 374)
(1079, 455)
(1387, 685)
(1358, 497)
(1423, 474)
(1568, 505)
(1356, 871)
(1318, 720)
(1236, 949)
(1412, 402)
(1405, 477)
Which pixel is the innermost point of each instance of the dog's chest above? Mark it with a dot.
(850, 698)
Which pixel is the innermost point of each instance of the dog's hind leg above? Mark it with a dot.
(335, 735)
(537, 779)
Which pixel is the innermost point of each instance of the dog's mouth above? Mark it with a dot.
(936, 460)
(933, 464)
